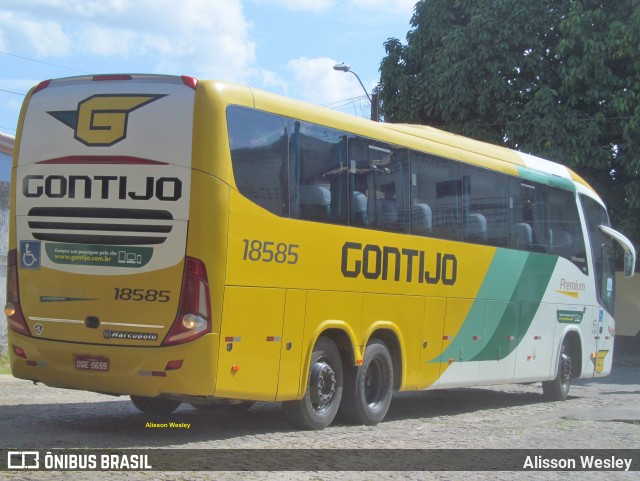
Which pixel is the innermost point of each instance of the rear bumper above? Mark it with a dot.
(132, 370)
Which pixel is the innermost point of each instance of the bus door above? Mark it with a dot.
(598, 325)
(603, 329)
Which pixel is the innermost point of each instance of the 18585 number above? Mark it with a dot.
(268, 251)
(149, 295)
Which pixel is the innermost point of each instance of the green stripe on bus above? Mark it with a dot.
(519, 313)
(504, 307)
(544, 178)
(499, 283)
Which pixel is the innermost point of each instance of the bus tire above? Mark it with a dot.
(318, 407)
(558, 389)
(155, 405)
(368, 388)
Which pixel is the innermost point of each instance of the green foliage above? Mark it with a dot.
(555, 78)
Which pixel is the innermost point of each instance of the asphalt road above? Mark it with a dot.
(602, 414)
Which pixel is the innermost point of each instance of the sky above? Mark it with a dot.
(283, 46)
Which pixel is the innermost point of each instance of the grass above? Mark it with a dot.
(4, 364)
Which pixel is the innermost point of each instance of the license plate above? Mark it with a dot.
(92, 363)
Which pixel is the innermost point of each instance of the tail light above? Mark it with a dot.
(194, 313)
(41, 86)
(190, 81)
(15, 318)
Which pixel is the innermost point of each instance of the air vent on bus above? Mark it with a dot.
(124, 226)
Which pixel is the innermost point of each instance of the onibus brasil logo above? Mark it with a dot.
(101, 120)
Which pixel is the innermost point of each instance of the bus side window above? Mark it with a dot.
(485, 206)
(359, 172)
(436, 196)
(259, 156)
(565, 229)
(379, 179)
(527, 218)
(317, 173)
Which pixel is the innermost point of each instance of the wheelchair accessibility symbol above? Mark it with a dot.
(30, 254)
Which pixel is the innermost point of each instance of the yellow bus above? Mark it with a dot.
(178, 240)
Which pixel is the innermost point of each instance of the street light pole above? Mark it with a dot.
(343, 67)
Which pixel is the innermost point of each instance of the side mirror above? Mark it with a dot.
(629, 265)
(627, 247)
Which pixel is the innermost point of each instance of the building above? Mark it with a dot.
(6, 155)
(627, 314)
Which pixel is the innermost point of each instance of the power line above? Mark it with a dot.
(43, 62)
(12, 92)
(340, 103)
(354, 104)
(37, 61)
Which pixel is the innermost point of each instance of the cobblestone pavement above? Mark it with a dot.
(602, 414)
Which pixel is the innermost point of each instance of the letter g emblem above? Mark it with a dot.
(102, 119)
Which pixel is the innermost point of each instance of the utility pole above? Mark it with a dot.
(375, 105)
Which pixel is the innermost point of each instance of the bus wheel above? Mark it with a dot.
(154, 405)
(558, 389)
(319, 405)
(368, 388)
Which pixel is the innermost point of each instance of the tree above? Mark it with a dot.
(555, 78)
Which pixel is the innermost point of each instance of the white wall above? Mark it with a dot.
(627, 309)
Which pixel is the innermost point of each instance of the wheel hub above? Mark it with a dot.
(323, 384)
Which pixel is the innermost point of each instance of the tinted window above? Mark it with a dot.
(318, 173)
(436, 196)
(545, 219)
(601, 250)
(379, 185)
(528, 227)
(312, 172)
(485, 206)
(565, 230)
(259, 154)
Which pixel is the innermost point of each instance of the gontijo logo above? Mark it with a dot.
(101, 120)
